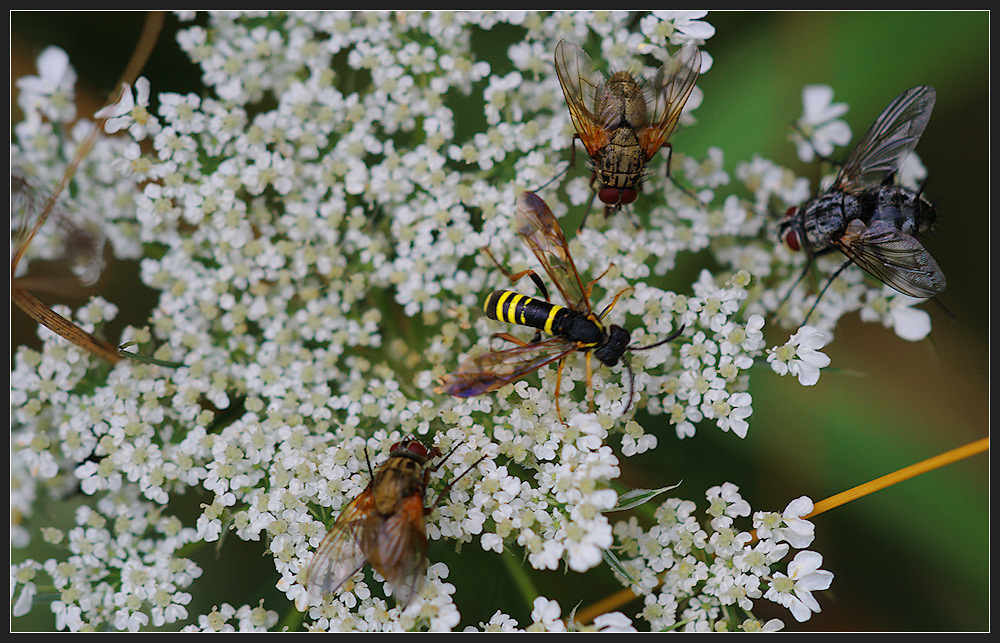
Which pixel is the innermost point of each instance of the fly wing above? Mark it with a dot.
(489, 371)
(666, 95)
(397, 548)
(540, 231)
(894, 257)
(891, 137)
(340, 554)
(579, 82)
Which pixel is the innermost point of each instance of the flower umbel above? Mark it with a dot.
(312, 225)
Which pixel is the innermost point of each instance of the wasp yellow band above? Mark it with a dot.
(510, 307)
(500, 304)
(548, 320)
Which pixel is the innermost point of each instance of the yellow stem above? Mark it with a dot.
(898, 476)
(625, 596)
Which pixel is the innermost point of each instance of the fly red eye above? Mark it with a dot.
(416, 447)
(627, 196)
(792, 239)
(610, 196)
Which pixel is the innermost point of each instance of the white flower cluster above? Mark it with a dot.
(691, 575)
(313, 224)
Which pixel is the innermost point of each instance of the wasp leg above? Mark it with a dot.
(559, 371)
(514, 340)
(516, 276)
(614, 302)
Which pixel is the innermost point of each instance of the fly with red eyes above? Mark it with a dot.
(869, 217)
(623, 121)
(384, 526)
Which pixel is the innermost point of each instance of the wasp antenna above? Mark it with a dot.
(923, 184)
(670, 175)
(669, 338)
(447, 455)
(944, 309)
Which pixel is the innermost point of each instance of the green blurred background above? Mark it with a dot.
(911, 558)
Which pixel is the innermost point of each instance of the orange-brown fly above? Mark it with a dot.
(384, 526)
(621, 121)
(573, 327)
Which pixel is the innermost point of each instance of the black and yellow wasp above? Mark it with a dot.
(573, 327)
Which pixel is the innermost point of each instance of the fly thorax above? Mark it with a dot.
(826, 216)
(614, 347)
(399, 478)
(623, 98)
(624, 137)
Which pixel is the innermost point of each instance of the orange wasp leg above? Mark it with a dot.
(614, 302)
(515, 277)
(507, 337)
(559, 371)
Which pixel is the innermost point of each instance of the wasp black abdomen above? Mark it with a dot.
(514, 308)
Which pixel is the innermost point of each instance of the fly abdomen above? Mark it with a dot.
(901, 207)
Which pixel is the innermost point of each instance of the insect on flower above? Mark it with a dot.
(621, 121)
(866, 215)
(384, 525)
(573, 327)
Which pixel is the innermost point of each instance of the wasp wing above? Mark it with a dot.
(340, 554)
(894, 257)
(891, 137)
(397, 548)
(540, 231)
(666, 95)
(489, 371)
(579, 82)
